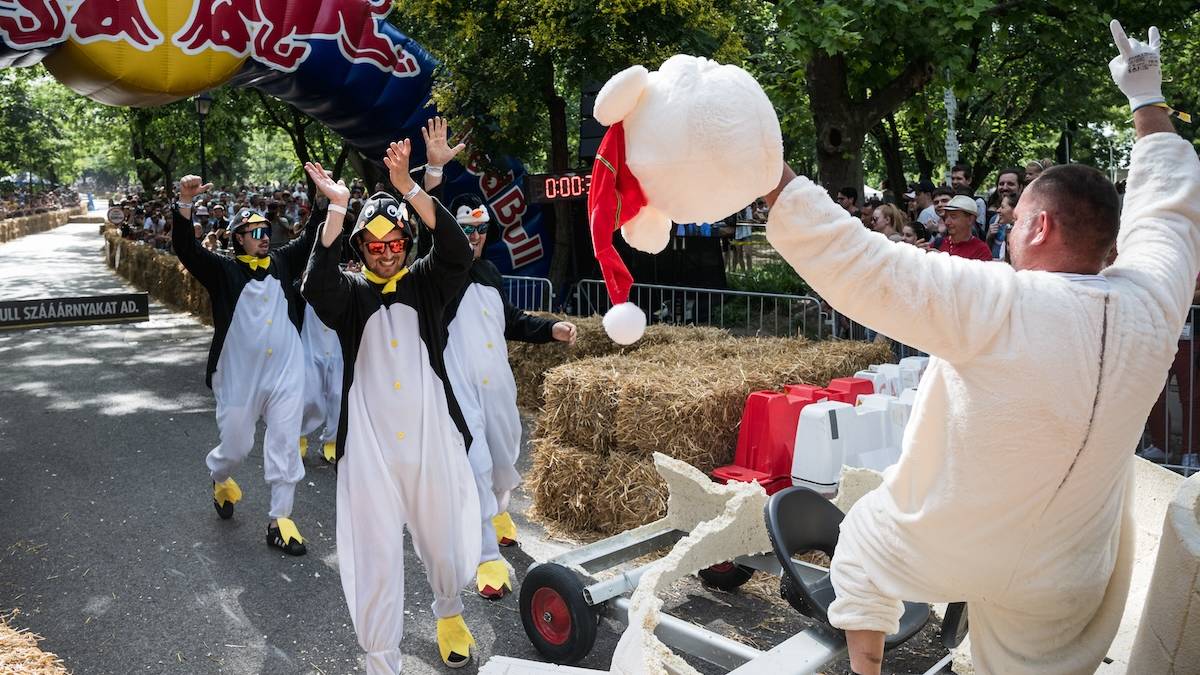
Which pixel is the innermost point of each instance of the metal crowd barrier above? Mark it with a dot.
(532, 294)
(742, 312)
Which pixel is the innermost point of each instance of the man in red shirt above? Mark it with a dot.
(959, 216)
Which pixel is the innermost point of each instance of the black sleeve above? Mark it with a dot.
(197, 260)
(296, 252)
(450, 256)
(518, 325)
(325, 286)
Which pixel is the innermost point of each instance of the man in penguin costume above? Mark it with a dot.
(479, 321)
(322, 384)
(402, 442)
(256, 362)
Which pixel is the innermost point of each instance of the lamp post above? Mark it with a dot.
(203, 103)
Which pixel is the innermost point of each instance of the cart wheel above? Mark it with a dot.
(557, 620)
(726, 576)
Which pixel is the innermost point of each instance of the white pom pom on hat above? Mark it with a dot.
(625, 323)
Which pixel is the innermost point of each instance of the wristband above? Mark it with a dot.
(433, 171)
(1171, 112)
(183, 205)
(337, 208)
(408, 196)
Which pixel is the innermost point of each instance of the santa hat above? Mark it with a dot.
(614, 199)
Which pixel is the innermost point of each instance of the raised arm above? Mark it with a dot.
(950, 307)
(199, 261)
(325, 287)
(438, 152)
(296, 251)
(1159, 240)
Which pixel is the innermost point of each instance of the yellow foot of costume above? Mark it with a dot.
(329, 450)
(225, 495)
(506, 529)
(303, 447)
(286, 537)
(454, 641)
(492, 579)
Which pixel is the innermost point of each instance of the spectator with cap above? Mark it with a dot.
(959, 240)
(202, 218)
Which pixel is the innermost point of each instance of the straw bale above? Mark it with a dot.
(562, 482)
(690, 408)
(19, 652)
(531, 362)
(629, 495)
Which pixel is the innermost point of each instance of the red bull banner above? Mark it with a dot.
(339, 61)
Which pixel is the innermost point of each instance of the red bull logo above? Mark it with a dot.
(276, 33)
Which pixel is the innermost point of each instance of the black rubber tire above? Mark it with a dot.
(726, 576)
(557, 620)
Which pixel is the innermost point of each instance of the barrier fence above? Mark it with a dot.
(741, 312)
(532, 294)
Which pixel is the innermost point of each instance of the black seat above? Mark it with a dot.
(800, 520)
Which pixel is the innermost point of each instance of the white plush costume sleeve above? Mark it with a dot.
(1015, 470)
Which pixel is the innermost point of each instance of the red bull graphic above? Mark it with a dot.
(115, 21)
(338, 61)
(277, 32)
(28, 24)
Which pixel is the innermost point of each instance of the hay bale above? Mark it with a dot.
(531, 362)
(629, 495)
(562, 482)
(19, 652)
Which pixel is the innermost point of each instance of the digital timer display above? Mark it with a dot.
(544, 188)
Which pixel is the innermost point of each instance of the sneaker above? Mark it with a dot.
(454, 641)
(286, 537)
(225, 495)
(329, 451)
(506, 529)
(492, 580)
(1153, 453)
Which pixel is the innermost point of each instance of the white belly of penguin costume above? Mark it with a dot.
(322, 379)
(477, 363)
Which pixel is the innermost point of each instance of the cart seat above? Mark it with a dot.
(800, 520)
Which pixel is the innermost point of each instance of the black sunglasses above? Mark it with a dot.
(258, 232)
(472, 229)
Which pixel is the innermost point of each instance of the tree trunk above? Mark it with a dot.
(924, 165)
(842, 122)
(888, 138)
(560, 160)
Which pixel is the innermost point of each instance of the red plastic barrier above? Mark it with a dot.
(847, 389)
(767, 436)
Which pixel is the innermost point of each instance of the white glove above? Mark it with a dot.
(1136, 70)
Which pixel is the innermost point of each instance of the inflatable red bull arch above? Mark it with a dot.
(339, 61)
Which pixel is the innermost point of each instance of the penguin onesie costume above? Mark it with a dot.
(402, 442)
(479, 321)
(255, 363)
(322, 384)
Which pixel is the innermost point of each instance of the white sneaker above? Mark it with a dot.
(1153, 453)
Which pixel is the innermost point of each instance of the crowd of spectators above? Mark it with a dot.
(24, 202)
(936, 217)
(148, 218)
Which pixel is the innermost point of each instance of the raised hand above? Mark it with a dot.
(336, 192)
(190, 186)
(437, 149)
(1137, 70)
(396, 160)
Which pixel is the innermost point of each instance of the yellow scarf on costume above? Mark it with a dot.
(389, 283)
(255, 262)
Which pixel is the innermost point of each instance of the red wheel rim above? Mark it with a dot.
(550, 616)
(721, 568)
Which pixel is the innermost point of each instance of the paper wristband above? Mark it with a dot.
(337, 208)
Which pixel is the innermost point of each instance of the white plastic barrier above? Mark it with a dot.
(830, 435)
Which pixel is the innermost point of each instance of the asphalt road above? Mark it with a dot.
(109, 545)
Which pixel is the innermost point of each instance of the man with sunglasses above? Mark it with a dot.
(402, 442)
(256, 362)
(479, 321)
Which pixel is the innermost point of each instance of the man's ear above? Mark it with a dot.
(1044, 226)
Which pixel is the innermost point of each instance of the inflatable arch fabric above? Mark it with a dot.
(339, 61)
